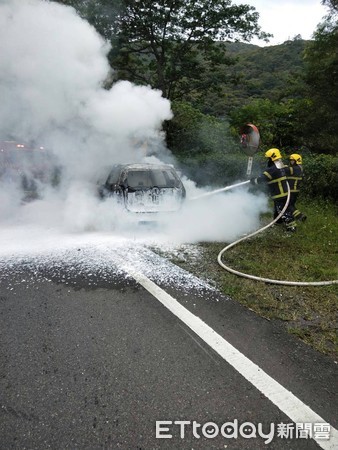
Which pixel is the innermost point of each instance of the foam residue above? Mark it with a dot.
(93, 260)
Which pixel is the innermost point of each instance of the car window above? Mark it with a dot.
(114, 175)
(139, 178)
(172, 179)
(144, 177)
(160, 178)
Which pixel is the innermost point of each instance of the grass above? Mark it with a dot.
(310, 254)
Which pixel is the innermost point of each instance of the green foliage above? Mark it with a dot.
(191, 132)
(321, 176)
(264, 72)
(280, 124)
(321, 77)
(209, 152)
(204, 146)
(263, 113)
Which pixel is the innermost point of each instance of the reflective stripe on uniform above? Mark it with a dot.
(279, 181)
(295, 183)
(267, 175)
(279, 195)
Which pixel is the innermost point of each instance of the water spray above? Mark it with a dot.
(217, 191)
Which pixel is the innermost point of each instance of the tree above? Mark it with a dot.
(171, 45)
(321, 76)
(331, 4)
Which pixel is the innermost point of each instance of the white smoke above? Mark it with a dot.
(53, 66)
(220, 217)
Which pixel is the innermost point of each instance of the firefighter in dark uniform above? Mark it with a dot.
(275, 178)
(294, 175)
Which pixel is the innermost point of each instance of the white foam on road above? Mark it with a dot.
(95, 257)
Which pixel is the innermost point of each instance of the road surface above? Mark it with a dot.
(90, 359)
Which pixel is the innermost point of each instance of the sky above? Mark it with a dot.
(285, 19)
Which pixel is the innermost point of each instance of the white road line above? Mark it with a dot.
(287, 402)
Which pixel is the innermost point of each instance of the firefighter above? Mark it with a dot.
(294, 175)
(275, 177)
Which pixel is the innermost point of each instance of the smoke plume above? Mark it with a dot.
(53, 68)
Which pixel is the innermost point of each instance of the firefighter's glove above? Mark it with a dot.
(253, 181)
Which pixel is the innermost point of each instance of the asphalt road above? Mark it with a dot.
(94, 364)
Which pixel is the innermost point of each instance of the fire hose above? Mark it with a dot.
(220, 190)
(253, 277)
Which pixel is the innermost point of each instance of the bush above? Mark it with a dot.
(191, 133)
(321, 176)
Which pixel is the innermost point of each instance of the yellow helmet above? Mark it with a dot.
(274, 154)
(296, 158)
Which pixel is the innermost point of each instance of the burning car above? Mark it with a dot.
(144, 188)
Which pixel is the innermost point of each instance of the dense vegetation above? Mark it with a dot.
(191, 51)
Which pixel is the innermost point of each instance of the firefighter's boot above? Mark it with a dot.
(299, 216)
